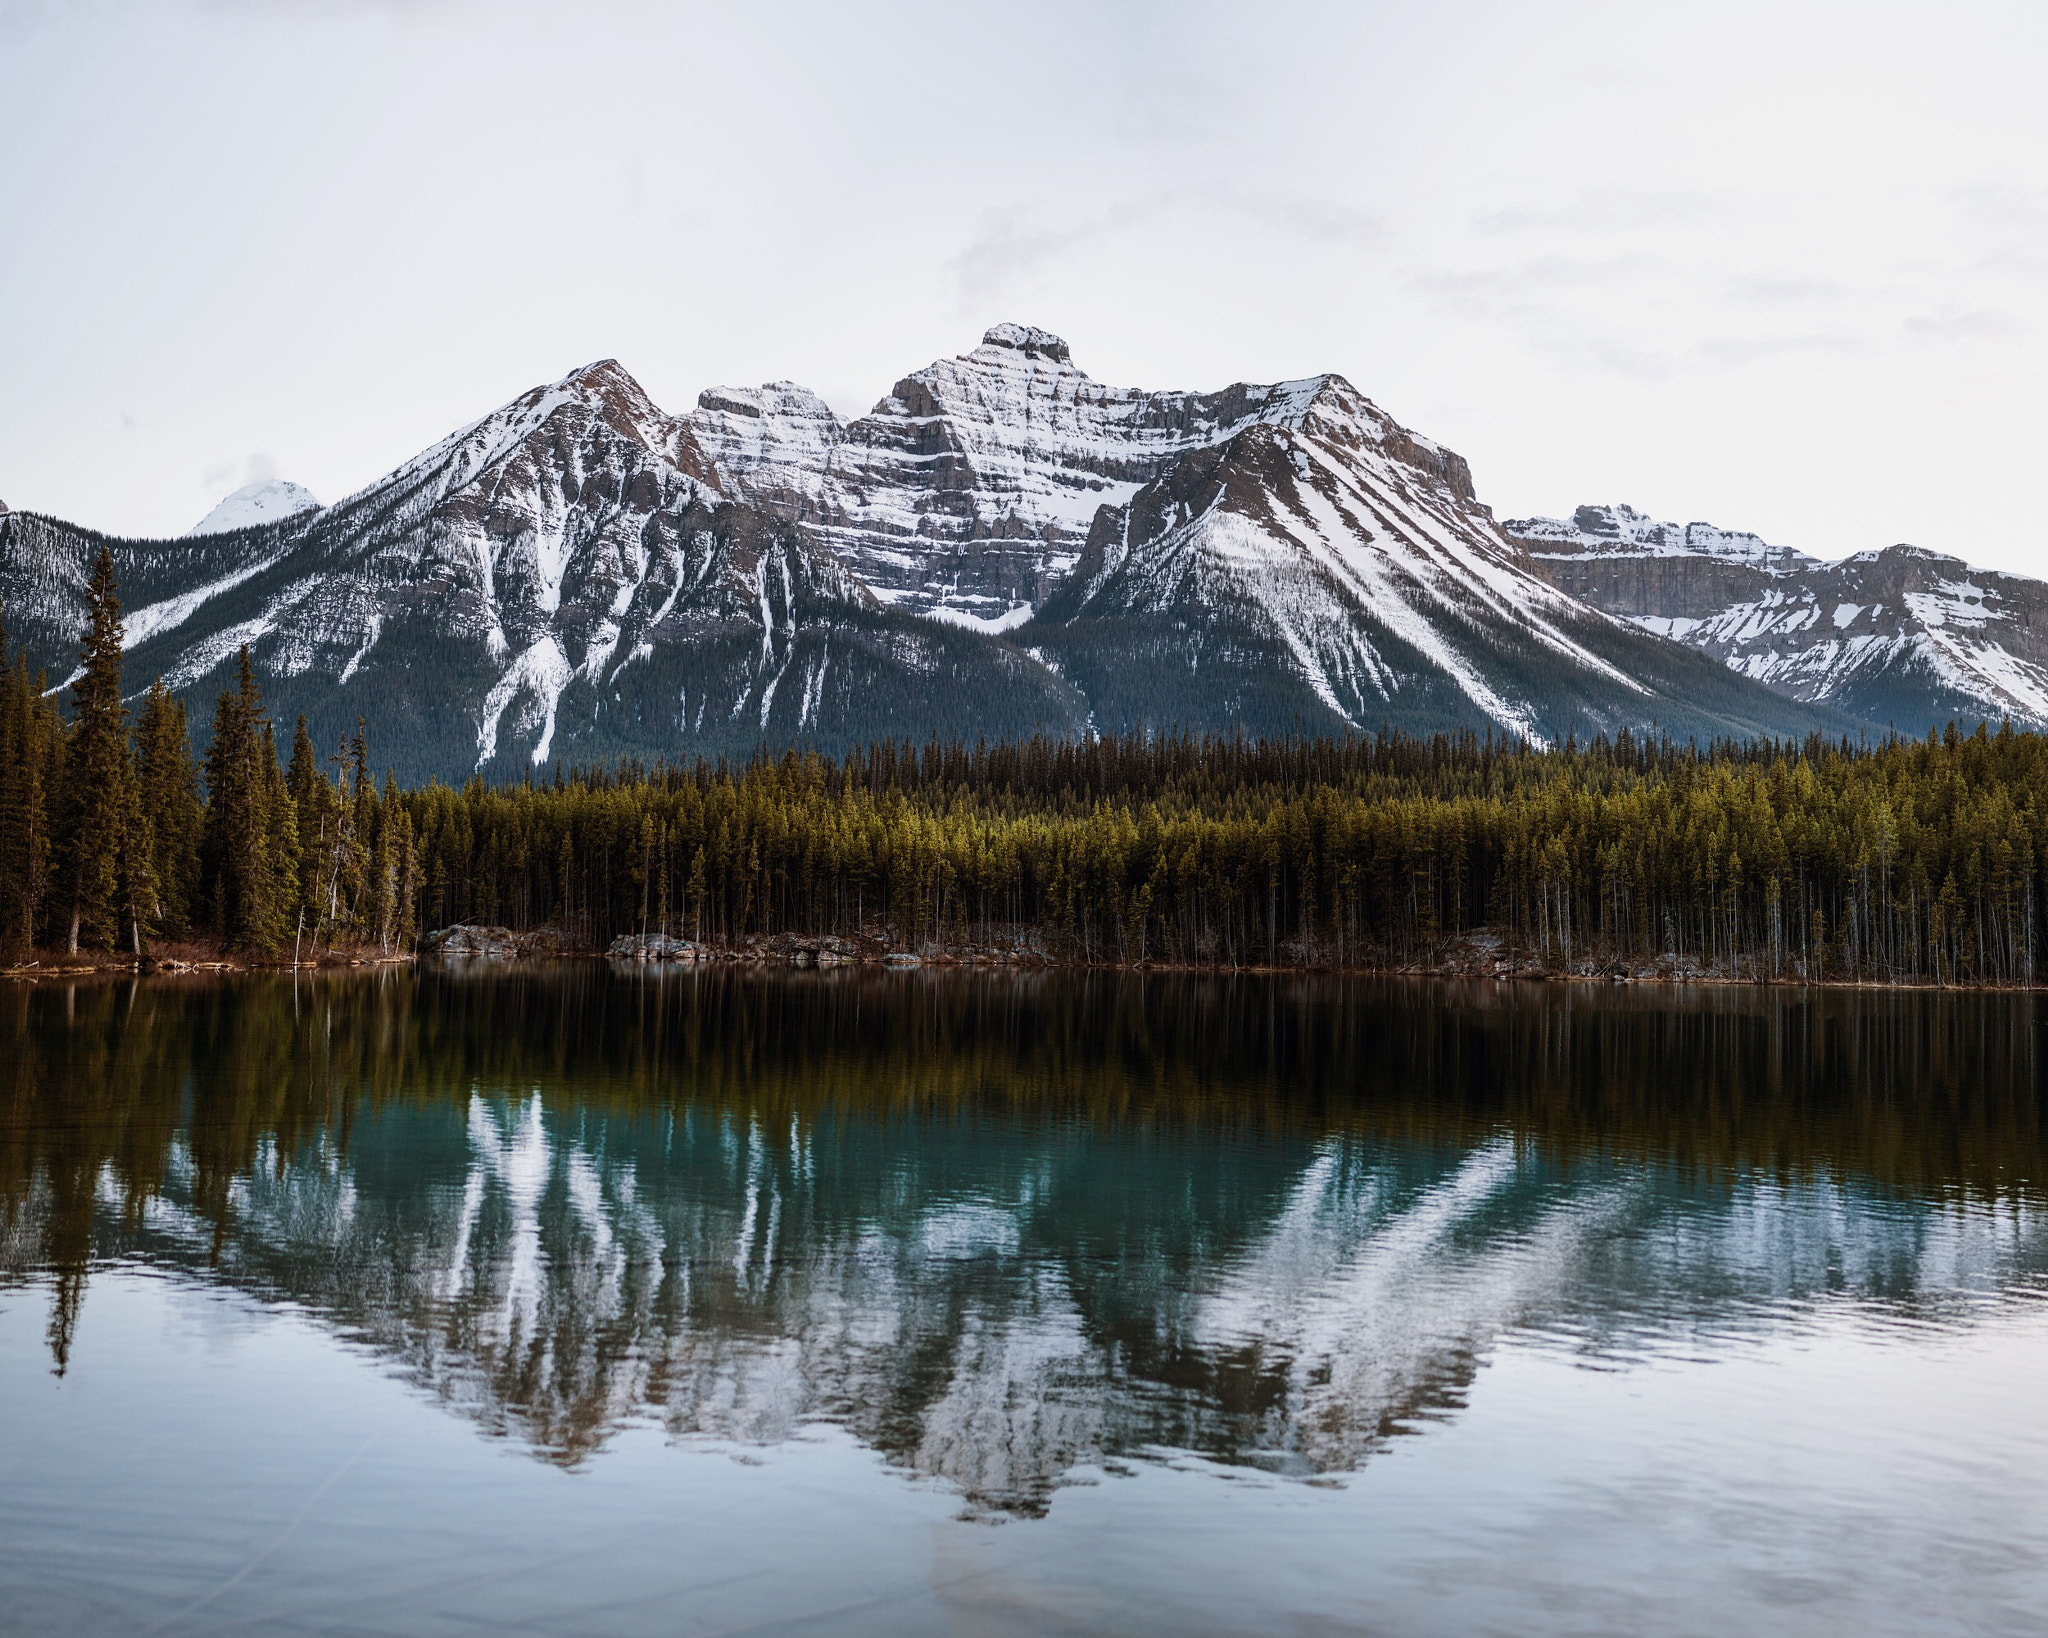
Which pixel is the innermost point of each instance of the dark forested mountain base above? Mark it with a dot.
(1906, 861)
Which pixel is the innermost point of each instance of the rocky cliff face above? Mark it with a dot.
(968, 492)
(1900, 638)
(1324, 568)
(1002, 546)
(561, 580)
(1280, 557)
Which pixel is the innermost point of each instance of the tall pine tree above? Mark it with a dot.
(31, 742)
(169, 781)
(249, 846)
(104, 855)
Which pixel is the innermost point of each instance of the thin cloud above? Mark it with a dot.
(1018, 242)
(1982, 324)
(1492, 290)
(1749, 349)
(1767, 290)
(1015, 244)
(1601, 211)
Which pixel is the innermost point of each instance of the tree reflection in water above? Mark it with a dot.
(1001, 1227)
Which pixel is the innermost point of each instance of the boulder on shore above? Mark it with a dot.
(651, 947)
(469, 939)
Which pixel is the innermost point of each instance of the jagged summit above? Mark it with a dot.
(1314, 561)
(1029, 340)
(966, 493)
(770, 444)
(581, 575)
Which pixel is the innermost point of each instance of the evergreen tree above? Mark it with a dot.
(169, 782)
(103, 856)
(318, 818)
(405, 868)
(281, 848)
(251, 834)
(30, 743)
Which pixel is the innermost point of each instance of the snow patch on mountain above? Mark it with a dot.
(537, 676)
(167, 614)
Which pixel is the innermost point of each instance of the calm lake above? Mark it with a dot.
(575, 1299)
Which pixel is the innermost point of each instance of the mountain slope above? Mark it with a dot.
(556, 581)
(968, 492)
(1324, 568)
(579, 576)
(1900, 637)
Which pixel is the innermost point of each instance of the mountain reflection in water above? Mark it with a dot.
(1003, 1227)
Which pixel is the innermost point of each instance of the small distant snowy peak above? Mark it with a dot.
(1622, 531)
(269, 501)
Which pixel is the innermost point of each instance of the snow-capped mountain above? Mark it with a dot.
(266, 501)
(1278, 556)
(1321, 567)
(1001, 546)
(1901, 637)
(968, 491)
(556, 581)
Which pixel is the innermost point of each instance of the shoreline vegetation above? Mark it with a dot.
(1899, 862)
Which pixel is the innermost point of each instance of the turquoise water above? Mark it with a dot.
(582, 1300)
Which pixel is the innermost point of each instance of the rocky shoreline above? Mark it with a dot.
(1477, 955)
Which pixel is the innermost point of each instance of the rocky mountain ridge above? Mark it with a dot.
(1901, 637)
(1002, 546)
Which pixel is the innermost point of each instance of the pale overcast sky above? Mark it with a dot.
(1783, 267)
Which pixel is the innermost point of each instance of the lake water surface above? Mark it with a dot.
(573, 1299)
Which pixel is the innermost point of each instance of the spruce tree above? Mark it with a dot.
(343, 863)
(99, 851)
(317, 817)
(251, 834)
(382, 908)
(280, 851)
(30, 739)
(405, 866)
(169, 781)
(230, 834)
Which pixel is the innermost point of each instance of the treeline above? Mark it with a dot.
(1902, 861)
(1906, 861)
(112, 837)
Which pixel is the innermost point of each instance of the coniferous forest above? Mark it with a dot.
(1898, 861)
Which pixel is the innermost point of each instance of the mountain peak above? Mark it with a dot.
(608, 381)
(266, 501)
(599, 372)
(1029, 340)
